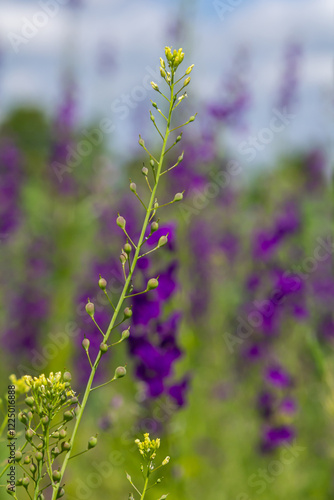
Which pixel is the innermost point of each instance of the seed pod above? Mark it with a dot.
(123, 257)
(18, 455)
(56, 475)
(178, 197)
(127, 248)
(120, 221)
(154, 226)
(152, 162)
(32, 468)
(29, 434)
(152, 284)
(162, 241)
(55, 434)
(191, 119)
(61, 493)
(55, 451)
(103, 348)
(62, 433)
(39, 456)
(127, 312)
(29, 401)
(22, 418)
(144, 171)
(152, 117)
(92, 442)
(133, 187)
(25, 482)
(67, 377)
(68, 415)
(120, 372)
(45, 420)
(102, 283)
(179, 137)
(125, 334)
(40, 446)
(90, 309)
(27, 460)
(65, 446)
(141, 142)
(74, 400)
(85, 344)
(11, 434)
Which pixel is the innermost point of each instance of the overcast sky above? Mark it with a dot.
(112, 46)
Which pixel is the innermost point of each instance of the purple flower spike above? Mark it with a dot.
(278, 377)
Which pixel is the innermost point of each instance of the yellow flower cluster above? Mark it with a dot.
(148, 447)
(52, 385)
(20, 385)
(174, 58)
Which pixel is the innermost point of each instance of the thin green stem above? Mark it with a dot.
(102, 385)
(145, 488)
(123, 294)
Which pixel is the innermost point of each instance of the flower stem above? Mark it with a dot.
(122, 297)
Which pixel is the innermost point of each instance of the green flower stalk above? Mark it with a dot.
(148, 449)
(51, 394)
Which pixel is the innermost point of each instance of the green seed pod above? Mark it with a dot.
(103, 348)
(55, 451)
(191, 119)
(154, 104)
(40, 446)
(55, 434)
(123, 257)
(25, 482)
(90, 309)
(154, 226)
(152, 284)
(178, 197)
(92, 442)
(120, 372)
(32, 468)
(67, 377)
(61, 493)
(162, 241)
(179, 137)
(68, 415)
(141, 142)
(18, 455)
(74, 400)
(85, 344)
(22, 418)
(11, 434)
(29, 415)
(102, 283)
(45, 420)
(29, 401)
(180, 158)
(152, 162)
(39, 456)
(120, 221)
(56, 475)
(125, 334)
(19, 481)
(127, 248)
(9, 489)
(27, 460)
(65, 446)
(62, 433)
(133, 187)
(29, 434)
(127, 312)
(41, 497)
(144, 171)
